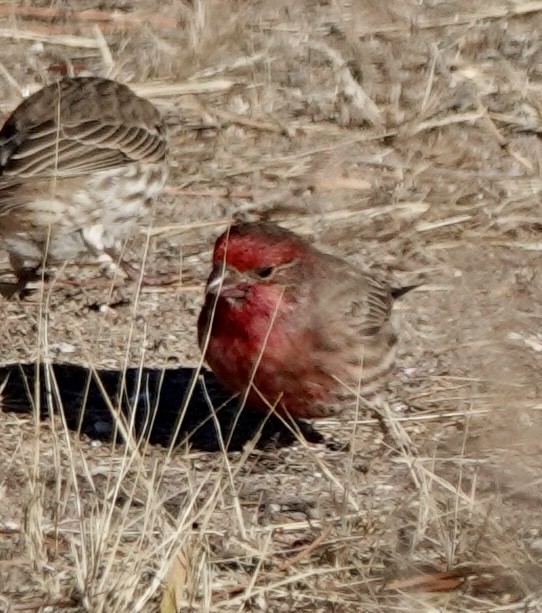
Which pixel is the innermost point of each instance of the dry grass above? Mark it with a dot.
(405, 133)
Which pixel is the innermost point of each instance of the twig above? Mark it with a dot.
(158, 89)
(304, 552)
(275, 128)
(458, 19)
(118, 17)
(65, 40)
(281, 567)
(210, 193)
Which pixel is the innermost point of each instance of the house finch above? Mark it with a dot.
(292, 328)
(81, 161)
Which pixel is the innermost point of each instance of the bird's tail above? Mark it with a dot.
(397, 292)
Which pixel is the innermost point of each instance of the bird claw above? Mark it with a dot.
(12, 290)
(311, 435)
(337, 446)
(24, 276)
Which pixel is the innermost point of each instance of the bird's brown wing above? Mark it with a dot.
(361, 297)
(79, 126)
(353, 341)
(350, 305)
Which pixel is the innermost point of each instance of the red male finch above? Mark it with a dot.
(81, 161)
(291, 328)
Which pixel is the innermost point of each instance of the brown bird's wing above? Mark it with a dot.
(79, 126)
(353, 339)
(352, 300)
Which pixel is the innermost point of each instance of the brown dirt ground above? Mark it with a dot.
(407, 135)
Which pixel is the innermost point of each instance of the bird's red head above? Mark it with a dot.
(253, 246)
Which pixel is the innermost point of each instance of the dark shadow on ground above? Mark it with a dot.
(151, 401)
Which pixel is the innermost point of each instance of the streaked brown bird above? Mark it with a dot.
(81, 162)
(293, 328)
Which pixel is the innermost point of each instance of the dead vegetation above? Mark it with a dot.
(407, 134)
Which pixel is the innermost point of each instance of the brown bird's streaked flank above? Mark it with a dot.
(292, 327)
(81, 161)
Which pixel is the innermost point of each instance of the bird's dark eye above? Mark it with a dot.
(264, 272)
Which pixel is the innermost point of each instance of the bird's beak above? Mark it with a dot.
(226, 282)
